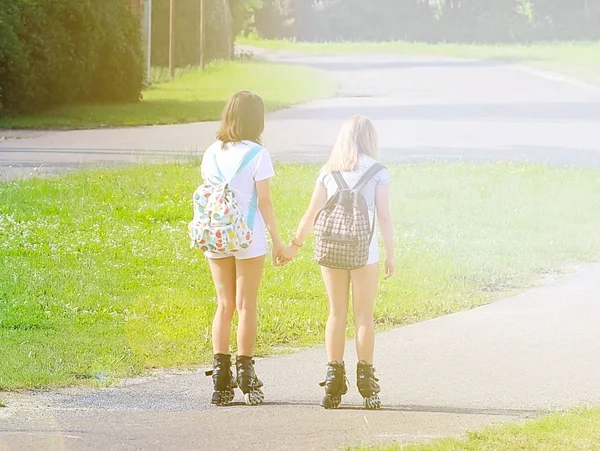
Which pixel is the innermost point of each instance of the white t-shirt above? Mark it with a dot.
(243, 184)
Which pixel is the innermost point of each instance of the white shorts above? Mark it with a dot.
(258, 248)
(373, 250)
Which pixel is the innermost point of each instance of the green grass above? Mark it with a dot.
(2, 404)
(564, 51)
(98, 280)
(193, 96)
(573, 431)
(576, 59)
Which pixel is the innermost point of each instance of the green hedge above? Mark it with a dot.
(57, 52)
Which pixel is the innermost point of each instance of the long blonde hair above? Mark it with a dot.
(356, 137)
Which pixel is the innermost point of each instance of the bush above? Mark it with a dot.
(57, 52)
(121, 76)
(13, 63)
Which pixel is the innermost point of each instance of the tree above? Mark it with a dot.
(243, 12)
(301, 12)
(427, 20)
(271, 19)
(562, 19)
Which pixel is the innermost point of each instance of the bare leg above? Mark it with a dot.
(364, 291)
(224, 275)
(337, 285)
(249, 275)
(223, 272)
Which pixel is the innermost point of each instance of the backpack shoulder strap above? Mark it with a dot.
(250, 155)
(339, 180)
(368, 176)
(219, 177)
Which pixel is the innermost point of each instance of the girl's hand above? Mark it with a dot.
(390, 267)
(288, 253)
(276, 253)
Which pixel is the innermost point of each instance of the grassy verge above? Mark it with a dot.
(98, 279)
(576, 431)
(576, 59)
(194, 96)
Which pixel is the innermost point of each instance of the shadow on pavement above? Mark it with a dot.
(410, 408)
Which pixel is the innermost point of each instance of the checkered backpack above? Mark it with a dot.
(219, 225)
(343, 232)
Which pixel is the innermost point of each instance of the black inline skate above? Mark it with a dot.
(223, 381)
(335, 384)
(367, 385)
(248, 382)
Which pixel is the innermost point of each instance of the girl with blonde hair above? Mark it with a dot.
(353, 163)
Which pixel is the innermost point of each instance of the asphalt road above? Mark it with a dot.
(424, 108)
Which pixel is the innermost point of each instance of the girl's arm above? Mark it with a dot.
(265, 206)
(317, 202)
(384, 216)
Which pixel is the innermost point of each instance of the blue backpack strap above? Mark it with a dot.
(251, 155)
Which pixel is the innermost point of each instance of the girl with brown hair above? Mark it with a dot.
(238, 157)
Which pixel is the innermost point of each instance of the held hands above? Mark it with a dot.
(284, 255)
(289, 253)
(275, 253)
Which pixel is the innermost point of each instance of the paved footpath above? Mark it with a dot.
(506, 361)
(424, 108)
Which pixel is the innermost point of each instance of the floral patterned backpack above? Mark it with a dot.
(219, 225)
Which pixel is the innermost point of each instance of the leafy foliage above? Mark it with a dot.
(433, 21)
(60, 52)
